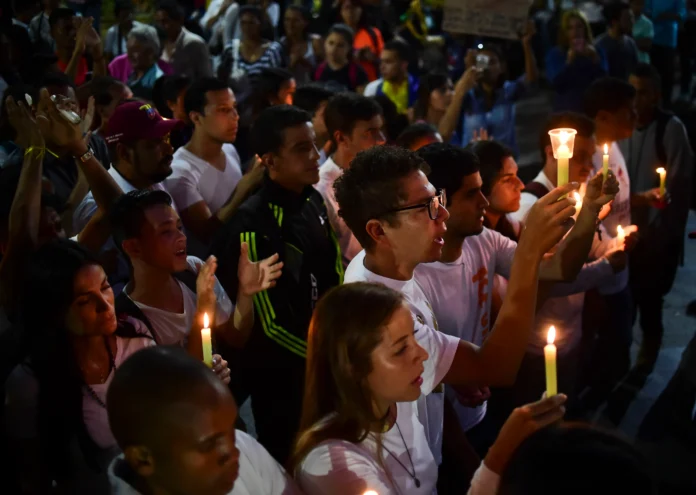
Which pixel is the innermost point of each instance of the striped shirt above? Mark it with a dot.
(233, 62)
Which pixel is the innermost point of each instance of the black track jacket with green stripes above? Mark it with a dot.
(275, 220)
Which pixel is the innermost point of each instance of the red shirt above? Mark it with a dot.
(82, 69)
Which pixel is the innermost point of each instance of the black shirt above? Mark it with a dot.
(349, 76)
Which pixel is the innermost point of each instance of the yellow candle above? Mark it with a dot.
(663, 178)
(620, 237)
(550, 359)
(563, 156)
(605, 161)
(207, 343)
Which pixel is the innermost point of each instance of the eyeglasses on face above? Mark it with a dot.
(434, 204)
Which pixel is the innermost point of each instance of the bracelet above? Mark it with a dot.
(41, 151)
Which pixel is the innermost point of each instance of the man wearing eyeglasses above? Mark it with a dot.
(399, 218)
(354, 124)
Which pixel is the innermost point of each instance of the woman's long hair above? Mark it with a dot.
(568, 15)
(428, 84)
(46, 300)
(345, 329)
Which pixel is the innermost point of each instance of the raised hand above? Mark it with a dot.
(83, 26)
(600, 192)
(468, 80)
(521, 424)
(54, 126)
(529, 32)
(205, 285)
(549, 220)
(22, 121)
(255, 277)
(481, 135)
(87, 116)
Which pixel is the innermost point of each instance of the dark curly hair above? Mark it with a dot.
(373, 186)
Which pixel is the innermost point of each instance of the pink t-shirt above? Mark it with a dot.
(120, 68)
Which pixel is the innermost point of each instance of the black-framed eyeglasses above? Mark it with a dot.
(434, 204)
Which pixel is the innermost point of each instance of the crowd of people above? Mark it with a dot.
(327, 195)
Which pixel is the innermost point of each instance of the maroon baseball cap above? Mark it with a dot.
(138, 120)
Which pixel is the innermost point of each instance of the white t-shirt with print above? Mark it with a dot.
(22, 395)
(328, 173)
(460, 293)
(174, 328)
(620, 208)
(339, 467)
(194, 180)
(439, 346)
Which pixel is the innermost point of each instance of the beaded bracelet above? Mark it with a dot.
(41, 151)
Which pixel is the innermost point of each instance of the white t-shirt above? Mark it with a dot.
(440, 347)
(328, 173)
(194, 180)
(620, 208)
(22, 396)
(174, 328)
(371, 88)
(259, 473)
(460, 293)
(339, 467)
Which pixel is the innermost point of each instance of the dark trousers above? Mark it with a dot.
(662, 57)
(607, 338)
(276, 401)
(459, 460)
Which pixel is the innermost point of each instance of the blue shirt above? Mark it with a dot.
(665, 31)
(499, 120)
(571, 80)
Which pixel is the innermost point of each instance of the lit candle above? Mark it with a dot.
(605, 161)
(620, 237)
(207, 343)
(550, 359)
(663, 177)
(370, 492)
(562, 141)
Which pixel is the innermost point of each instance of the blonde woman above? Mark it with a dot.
(574, 63)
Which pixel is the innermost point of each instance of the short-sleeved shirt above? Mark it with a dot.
(22, 395)
(498, 120)
(350, 76)
(666, 32)
(441, 348)
(375, 43)
(643, 28)
(622, 54)
(339, 467)
(174, 328)
(259, 473)
(194, 180)
(460, 293)
(82, 69)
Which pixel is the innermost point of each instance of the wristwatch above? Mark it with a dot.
(87, 156)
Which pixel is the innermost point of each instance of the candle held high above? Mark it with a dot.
(562, 142)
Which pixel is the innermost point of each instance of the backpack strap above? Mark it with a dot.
(319, 71)
(353, 74)
(663, 118)
(537, 189)
(125, 305)
(375, 44)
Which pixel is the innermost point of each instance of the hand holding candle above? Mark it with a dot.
(207, 342)
(550, 360)
(663, 179)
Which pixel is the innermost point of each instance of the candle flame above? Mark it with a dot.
(370, 492)
(206, 320)
(620, 231)
(551, 336)
(661, 171)
(606, 149)
(577, 197)
(563, 137)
